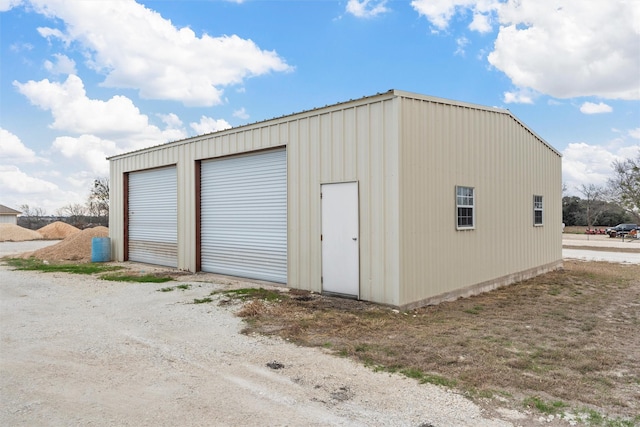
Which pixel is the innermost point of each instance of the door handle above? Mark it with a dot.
(354, 238)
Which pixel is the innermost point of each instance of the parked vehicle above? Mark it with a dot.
(621, 229)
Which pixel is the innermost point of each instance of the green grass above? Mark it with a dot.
(545, 407)
(425, 378)
(477, 309)
(254, 293)
(202, 300)
(147, 278)
(593, 418)
(35, 264)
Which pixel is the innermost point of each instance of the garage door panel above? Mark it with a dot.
(244, 216)
(153, 231)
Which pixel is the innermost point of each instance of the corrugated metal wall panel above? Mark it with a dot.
(327, 145)
(244, 216)
(355, 143)
(445, 145)
(153, 235)
(408, 247)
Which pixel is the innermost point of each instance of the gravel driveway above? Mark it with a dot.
(80, 351)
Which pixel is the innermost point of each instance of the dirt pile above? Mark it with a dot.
(15, 233)
(76, 247)
(58, 230)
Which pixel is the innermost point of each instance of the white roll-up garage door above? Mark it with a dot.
(153, 218)
(244, 216)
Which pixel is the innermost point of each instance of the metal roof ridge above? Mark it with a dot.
(390, 93)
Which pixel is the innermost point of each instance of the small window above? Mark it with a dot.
(537, 210)
(465, 203)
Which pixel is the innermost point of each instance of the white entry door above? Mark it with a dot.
(340, 239)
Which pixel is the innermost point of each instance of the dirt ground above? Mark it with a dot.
(570, 336)
(562, 349)
(77, 350)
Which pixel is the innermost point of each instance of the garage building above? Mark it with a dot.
(8, 215)
(396, 198)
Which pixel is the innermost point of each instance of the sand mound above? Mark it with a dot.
(58, 230)
(76, 247)
(15, 233)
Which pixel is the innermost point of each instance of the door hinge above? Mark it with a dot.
(321, 280)
(321, 237)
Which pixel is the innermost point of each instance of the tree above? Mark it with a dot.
(75, 213)
(98, 203)
(571, 210)
(625, 185)
(593, 199)
(31, 217)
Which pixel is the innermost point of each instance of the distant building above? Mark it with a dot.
(396, 198)
(8, 215)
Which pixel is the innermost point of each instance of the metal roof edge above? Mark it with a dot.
(438, 100)
(318, 110)
(506, 111)
(392, 93)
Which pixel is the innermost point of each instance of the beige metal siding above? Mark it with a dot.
(354, 141)
(407, 152)
(444, 145)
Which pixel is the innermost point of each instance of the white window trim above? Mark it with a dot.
(538, 209)
(472, 206)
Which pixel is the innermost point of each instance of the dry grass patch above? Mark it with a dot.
(570, 336)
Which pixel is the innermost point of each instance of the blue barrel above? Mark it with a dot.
(100, 249)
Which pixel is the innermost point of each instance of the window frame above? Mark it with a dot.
(538, 207)
(459, 205)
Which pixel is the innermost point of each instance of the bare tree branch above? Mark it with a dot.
(593, 195)
(624, 187)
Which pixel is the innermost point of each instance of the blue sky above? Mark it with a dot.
(83, 80)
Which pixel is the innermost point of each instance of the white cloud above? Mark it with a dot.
(137, 48)
(20, 47)
(366, 8)
(582, 48)
(634, 133)
(440, 12)
(99, 128)
(481, 23)
(583, 163)
(74, 112)
(209, 125)
(519, 96)
(117, 119)
(62, 65)
(462, 43)
(88, 149)
(591, 108)
(563, 49)
(171, 120)
(13, 180)
(6, 5)
(12, 150)
(21, 188)
(241, 114)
